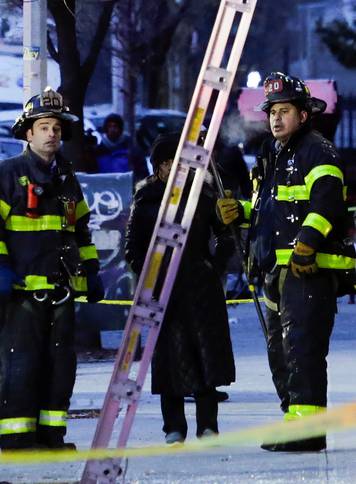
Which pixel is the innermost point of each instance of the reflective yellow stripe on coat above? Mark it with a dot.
(88, 252)
(324, 261)
(20, 223)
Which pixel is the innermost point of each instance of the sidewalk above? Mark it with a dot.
(252, 403)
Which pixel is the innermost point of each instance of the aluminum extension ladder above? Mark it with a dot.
(147, 312)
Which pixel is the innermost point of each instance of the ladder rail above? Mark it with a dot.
(188, 154)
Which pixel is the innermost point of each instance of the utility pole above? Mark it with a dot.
(117, 68)
(34, 47)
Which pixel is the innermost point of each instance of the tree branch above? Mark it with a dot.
(51, 48)
(88, 65)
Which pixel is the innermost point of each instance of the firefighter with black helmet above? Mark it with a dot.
(46, 259)
(299, 243)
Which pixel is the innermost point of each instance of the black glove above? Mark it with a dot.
(95, 288)
(7, 278)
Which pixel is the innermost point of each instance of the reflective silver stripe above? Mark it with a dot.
(53, 418)
(18, 425)
(271, 305)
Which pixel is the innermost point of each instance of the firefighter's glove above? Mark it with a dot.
(227, 208)
(7, 278)
(303, 260)
(95, 288)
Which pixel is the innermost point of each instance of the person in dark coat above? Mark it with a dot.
(47, 258)
(300, 244)
(117, 152)
(193, 354)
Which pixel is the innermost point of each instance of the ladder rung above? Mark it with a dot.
(145, 321)
(239, 6)
(151, 314)
(127, 389)
(217, 77)
(108, 468)
(172, 234)
(195, 156)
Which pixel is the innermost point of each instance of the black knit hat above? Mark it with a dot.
(164, 148)
(113, 118)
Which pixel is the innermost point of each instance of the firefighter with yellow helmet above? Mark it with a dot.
(299, 244)
(46, 259)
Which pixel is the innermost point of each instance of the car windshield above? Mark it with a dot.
(6, 105)
(10, 148)
(149, 127)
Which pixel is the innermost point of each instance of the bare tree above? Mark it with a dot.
(340, 38)
(75, 72)
(144, 31)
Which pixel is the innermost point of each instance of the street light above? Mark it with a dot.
(253, 79)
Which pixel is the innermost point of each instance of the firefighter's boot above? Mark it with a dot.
(313, 444)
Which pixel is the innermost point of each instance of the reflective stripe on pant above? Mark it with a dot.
(20, 425)
(37, 358)
(53, 418)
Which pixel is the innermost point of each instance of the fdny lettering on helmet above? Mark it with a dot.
(51, 99)
(272, 86)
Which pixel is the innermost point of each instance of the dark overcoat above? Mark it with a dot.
(193, 351)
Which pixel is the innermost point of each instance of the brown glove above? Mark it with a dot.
(227, 208)
(303, 260)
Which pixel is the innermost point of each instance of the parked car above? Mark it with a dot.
(10, 105)
(149, 122)
(10, 147)
(7, 119)
(152, 122)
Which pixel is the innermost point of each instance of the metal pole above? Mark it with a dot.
(34, 47)
(239, 249)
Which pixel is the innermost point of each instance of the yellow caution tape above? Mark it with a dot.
(129, 302)
(337, 419)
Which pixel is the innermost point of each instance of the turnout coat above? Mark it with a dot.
(193, 351)
(301, 198)
(34, 243)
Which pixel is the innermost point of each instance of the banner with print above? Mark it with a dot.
(109, 198)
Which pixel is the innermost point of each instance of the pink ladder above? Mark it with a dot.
(148, 312)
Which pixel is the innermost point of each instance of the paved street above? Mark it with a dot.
(252, 403)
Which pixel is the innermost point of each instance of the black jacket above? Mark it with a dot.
(301, 197)
(33, 241)
(194, 350)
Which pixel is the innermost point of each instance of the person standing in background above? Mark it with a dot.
(193, 354)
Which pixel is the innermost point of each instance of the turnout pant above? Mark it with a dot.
(38, 366)
(300, 318)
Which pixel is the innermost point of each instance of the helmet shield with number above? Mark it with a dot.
(280, 88)
(48, 104)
